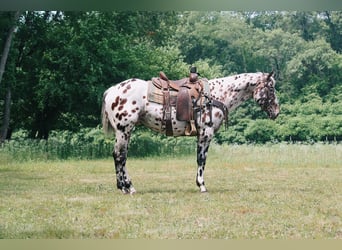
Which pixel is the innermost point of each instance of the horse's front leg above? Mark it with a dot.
(203, 142)
(123, 181)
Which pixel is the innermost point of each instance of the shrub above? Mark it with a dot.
(91, 143)
(260, 131)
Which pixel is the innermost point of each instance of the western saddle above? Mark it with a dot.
(184, 95)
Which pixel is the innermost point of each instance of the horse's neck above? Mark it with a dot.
(233, 90)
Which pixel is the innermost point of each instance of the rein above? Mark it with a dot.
(224, 109)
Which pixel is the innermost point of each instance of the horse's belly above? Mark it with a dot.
(153, 117)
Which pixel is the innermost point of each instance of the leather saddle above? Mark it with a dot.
(182, 94)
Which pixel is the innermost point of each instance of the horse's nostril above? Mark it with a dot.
(274, 115)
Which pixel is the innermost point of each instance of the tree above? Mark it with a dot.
(7, 44)
(333, 19)
(60, 63)
(67, 59)
(222, 37)
(316, 69)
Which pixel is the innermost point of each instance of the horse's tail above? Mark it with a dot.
(106, 125)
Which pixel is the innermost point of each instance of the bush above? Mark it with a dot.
(88, 143)
(91, 143)
(261, 131)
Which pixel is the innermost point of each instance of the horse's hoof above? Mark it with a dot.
(130, 190)
(125, 191)
(203, 189)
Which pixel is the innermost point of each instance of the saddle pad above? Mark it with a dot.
(155, 95)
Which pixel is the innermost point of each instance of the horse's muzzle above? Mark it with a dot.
(274, 113)
(274, 116)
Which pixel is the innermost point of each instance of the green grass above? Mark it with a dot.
(273, 191)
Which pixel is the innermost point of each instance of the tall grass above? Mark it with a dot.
(30, 149)
(91, 144)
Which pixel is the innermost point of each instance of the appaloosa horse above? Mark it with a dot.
(126, 105)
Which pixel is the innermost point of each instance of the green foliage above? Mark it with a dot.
(60, 63)
(86, 144)
(260, 131)
(318, 69)
(309, 121)
(91, 143)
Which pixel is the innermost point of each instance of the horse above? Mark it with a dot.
(126, 105)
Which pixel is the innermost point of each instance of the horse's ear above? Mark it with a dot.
(270, 74)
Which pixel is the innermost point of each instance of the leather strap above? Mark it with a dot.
(223, 108)
(167, 109)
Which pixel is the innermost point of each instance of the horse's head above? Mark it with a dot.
(265, 95)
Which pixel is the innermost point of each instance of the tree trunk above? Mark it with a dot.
(8, 45)
(6, 120)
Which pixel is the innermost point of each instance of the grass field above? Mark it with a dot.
(255, 192)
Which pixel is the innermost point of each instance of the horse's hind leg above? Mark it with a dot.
(123, 181)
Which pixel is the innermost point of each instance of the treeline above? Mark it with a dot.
(60, 63)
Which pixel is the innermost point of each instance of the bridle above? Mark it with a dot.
(267, 93)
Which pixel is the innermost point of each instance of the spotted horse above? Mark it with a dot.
(126, 105)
